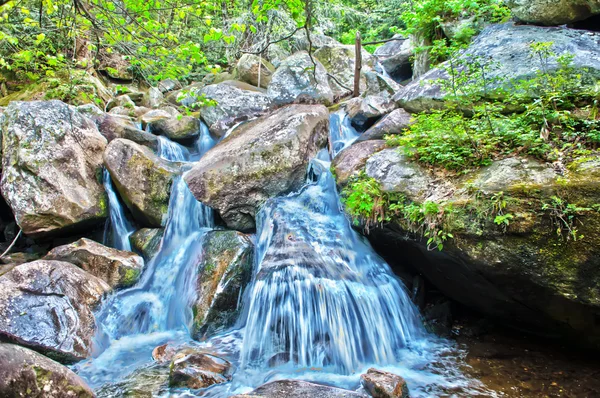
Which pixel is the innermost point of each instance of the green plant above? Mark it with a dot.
(565, 216)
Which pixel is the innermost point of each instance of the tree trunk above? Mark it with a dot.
(357, 65)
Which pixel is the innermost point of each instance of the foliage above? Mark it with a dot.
(565, 217)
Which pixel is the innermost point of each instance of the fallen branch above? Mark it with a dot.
(12, 244)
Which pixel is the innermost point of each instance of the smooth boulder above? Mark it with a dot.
(394, 57)
(248, 70)
(506, 48)
(394, 122)
(381, 384)
(198, 370)
(223, 274)
(351, 161)
(114, 126)
(300, 79)
(260, 159)
(363, 112)
(558, 12)
(51, 167)
(118, 268)
(25, 373)
(47, 306)
(142, 179)
(184, 129)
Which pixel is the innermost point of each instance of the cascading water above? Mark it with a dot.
(341, 132)
(133, 321)
(119, 229)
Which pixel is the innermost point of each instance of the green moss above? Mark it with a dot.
(130, 277)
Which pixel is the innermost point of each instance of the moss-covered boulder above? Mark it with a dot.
(118, 268)
(25, 373)
(183, 129)
(558, 12)
(248, 70)
(47, 306)
(339, 61)
(223, 273)
(51, 167)
(524, 243)
(261, 159)
(300, 79)
(142, 179)
(146, 241)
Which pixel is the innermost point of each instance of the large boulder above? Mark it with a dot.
(393, 123)
(394, 57)
(299, 389)
(363, 112)
(525, 245)
(260, 159)
(47, 305)
(377, 84)
(142, 179)
(557, 12)
(351, 161)
(25, 373)
(381, 384)
(118, 268)
(340, 61)
(223, 273)
(300, 42)
(184, 129)
(300, 78)
(236, 102)
(51, 167)
(248, 70)
(507, 47)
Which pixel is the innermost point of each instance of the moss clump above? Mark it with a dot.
(130, 277)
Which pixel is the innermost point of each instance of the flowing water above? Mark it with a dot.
(119, 229)
(322, 305)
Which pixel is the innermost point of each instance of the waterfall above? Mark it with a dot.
(321, 296)
(341, 132)
(120, 228)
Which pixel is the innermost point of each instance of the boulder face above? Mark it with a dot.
(351, 160)
(381, 384)
(393, 123)
(25, 373)
(528, 272)
(223, 274)
(340, 62)
(51, 167)
(260, 159)
(142, 179)
(508, 47)
(47, 305)
(363, 112)
(114, 126)
(248, 70)
(559, 12)
(299, 389)
(236, 102)
(299, 80)
(394, 58)
(118, 268)
(184, 129)
(146, 241)
(198, 370)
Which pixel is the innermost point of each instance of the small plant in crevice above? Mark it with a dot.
(565, 217)
(499, 203)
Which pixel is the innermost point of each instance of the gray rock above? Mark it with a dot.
(393, 123)
(236, 102)
(51, 167)
(557, 12)
(513, 173)
(260, 159)
(276, 53)
(153, 98)
(507, 46)
(158, 114)
(113, 127)
(47, 306)
(198, 370)
(248, 70)
(384, 384)
(351, 161)
(134, 113)
(339, 61)
(142, 179)
(123, 101)
(167, 85)
(394, 58)
(146, 241)
(223, 273)
(376, 84)
(299, 389)
(184, 129)
(25, 373)
(118, 268)
(363, 112)
(298, 80)
(299, 41)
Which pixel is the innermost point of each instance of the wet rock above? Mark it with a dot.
(298, 80)
(158, 114)
(144, 382)
(339, 61)
(25, 373)
(163, 353)
(19, 258)
(393, 123)
(153, 98)
(260, 159)
(223, 274)
(365, 111)
(182, 129)
(51, 167)
(236, 102)
(118, 268)
(507, 47)
(142, 179)
(394, 57)
(47, 305)
(90, 110)
(248, 70)
(112, 127)
(351, 161)
(553, 13)
(299, 389)
(199, 370)
(146, 241)
(384, 384)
